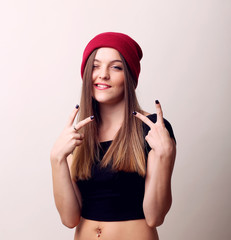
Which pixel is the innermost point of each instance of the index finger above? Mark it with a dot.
(143, 118)
(82, 123)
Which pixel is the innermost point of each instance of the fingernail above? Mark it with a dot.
(92, 117)
(77, 106)
(157, 102)
(134, 113)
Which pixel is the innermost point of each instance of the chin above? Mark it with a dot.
(105, 101)
(102, 99)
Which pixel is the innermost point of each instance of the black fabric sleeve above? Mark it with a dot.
(146, 128)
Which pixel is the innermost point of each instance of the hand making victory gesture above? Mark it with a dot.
(158, 136)
(70, 138)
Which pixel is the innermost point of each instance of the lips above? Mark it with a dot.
(101, 86)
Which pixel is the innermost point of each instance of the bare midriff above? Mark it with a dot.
(121, 230)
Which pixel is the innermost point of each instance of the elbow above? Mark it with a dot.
(70, 223)
(154, 221)
(153, 218)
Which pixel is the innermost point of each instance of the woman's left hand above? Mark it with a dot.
(158, 136)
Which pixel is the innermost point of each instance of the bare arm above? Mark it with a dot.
(158, 197)
(66, 193)
(65, 197)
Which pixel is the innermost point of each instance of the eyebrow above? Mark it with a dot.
(110, 61)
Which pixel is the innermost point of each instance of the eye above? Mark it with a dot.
(117, 67)
(95, 66)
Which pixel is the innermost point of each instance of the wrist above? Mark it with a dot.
(57, 158)
(166, 152)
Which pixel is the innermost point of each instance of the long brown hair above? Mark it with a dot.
(127, 149)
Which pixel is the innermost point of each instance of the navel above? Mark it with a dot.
(98, 232)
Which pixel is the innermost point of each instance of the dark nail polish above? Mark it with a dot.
(77, 106)
(134, 113)
(92, 117)
(157, 102)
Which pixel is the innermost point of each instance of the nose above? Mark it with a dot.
(104, 74)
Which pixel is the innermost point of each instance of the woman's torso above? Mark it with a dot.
(113, 230)
(121, 230)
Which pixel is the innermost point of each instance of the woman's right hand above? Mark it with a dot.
(69, 138)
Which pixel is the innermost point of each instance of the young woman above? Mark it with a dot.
(112, 170)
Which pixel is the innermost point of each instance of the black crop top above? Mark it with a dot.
(114, 196)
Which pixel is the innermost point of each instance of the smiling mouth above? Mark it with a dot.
(101, 86)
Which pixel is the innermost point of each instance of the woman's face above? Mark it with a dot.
(108, 76)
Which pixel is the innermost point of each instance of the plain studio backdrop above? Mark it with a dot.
(186, 66)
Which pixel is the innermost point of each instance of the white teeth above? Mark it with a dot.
(101, 86)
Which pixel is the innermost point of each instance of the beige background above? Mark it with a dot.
(186, 65)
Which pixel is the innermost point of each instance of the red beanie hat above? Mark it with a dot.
(129, 49)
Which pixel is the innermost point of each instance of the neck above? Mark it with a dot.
(112, 114)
